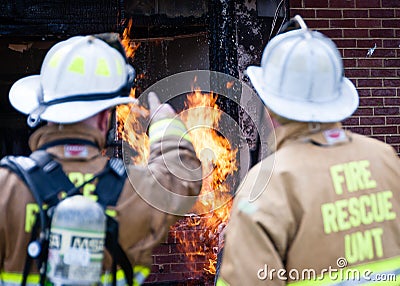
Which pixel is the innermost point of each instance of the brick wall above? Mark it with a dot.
(356, 26)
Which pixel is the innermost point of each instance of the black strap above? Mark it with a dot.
(46, 180)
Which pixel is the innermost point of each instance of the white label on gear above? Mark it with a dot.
(77, 256)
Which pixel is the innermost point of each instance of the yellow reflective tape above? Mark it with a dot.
(390, 265)
(111, 213)
(144, 270)
(9, 277)
(119, 67)
(167, 127)
(165, 123)
(31, 211)
(55, 59)
(102, 68)
(77, 65)
(108, 277)
(221, 282)
(169, 133)
(141, 273)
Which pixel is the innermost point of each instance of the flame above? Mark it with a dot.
(132, 133)
(201, 235)
(218, 162)
(130, 47)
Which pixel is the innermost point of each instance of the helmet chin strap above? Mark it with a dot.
(34, 117)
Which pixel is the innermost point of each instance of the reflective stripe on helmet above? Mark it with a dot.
(167, 127)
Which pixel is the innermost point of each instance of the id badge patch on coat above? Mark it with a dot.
(75, 151)
(335, 136)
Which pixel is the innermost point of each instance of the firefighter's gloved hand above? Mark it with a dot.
(159, 111)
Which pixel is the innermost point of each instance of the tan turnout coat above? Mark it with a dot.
(141, 226)
(322, 200)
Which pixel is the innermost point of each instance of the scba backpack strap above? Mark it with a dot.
(49, 185)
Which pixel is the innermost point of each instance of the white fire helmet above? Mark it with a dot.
(79, 78)
(301, 78)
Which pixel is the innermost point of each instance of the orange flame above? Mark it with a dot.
(130, 47)
(211, 211)
(218, 162)
(132, 133)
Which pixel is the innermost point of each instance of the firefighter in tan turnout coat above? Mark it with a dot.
(324, 209)
(81, 79)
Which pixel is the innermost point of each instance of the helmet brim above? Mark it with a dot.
(25, 93)
(335, 110)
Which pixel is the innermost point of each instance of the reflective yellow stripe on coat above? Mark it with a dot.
(167, 127)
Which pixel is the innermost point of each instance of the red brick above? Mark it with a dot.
(180, 267)
(390, 23)
(160, 268)
(390, 3)
(296, 4)
(354, 53)
(361, 130)
(351, 121)
(315, 4)
(381, 33)
(364, 92)
(393, 120)
(329, 13)
(346, 23)
(368, 3)
(369, 62)
(397, 13)
(392, 101)
(368, 23)
(352, 73)
(345, 43)
(384, 130)
(392, 43)
(378, 137)
(386, 110)
(383, 73)
(341, 3)
(381, 13)
(392, 62)
(384, 92)
(349, 63)
(333, 33)
(305, 13)
(355, 33)
(369, 83)
(364, 111)
(172, 277)
(391, 82)
(393, 139)
(397, 32)
(318, 24)
(384, 53)
(162, 249)
(161, 259)
(367, 43)
(359, 13)
(372, 120)
(371, 101)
